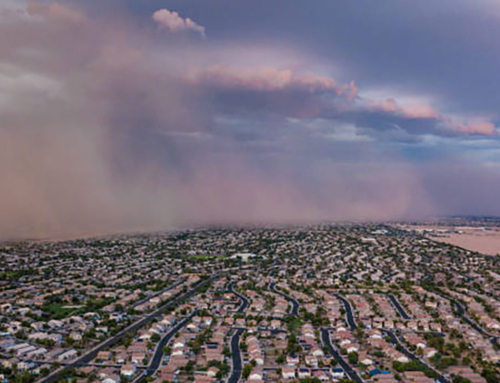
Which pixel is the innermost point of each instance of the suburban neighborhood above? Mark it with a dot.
(328, 303)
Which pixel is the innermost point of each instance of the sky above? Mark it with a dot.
(124, 115)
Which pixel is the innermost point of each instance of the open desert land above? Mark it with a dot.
(485, 240)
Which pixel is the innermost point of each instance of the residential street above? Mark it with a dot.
(158, 354)
(242, 298)
(412, 356)
(237, 364)
(325, 338)
(398, 306)
(90, 355)
(295, 304)
(348, 311)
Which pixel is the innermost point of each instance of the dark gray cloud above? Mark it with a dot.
(111, 124)
(446, 48)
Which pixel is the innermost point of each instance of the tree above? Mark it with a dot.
(490, 375)
(247, 370)
(352, 357)
(293, 344)
(280, 359)
(155, 337)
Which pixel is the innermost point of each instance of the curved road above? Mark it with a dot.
(325, 337)
(155, 362)
(405, 351)
(461, 313)
(348, 312)
(237, 364)
(140, 302)
(398, 306)
(295, 304)
(242, 298)
(386, 277)
(236, 357)
(91, 354)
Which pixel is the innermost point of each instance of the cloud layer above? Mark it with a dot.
(175, 23)
(110, 124)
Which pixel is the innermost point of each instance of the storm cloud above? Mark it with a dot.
(117, 117)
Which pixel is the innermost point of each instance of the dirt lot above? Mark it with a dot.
(485, 240)
(484, 243)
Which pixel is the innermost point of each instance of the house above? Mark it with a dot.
(128, 370)
(336, 373)
(38, 352)
(256, 374)
(55, 323)
(87, 369)
(202, 379)
(288, 372)
(6, 307)
(137, 357)
(212, 372)
(316, 351)
(352, 348)
(37, 326)
(275, 324)
(121, 358)
(430, 304)
(400, 357)
(304, 373)
(180, 351)
(364, 359)
(8, 363)
(207, 321)
(70, 354)
(321, 375)
(416, 377)
(25, 350)
(104, 355)
(25, 366)
(292, 360)
(76, 336)
(430, 352)
(259, 359)
(178, 343)
(311, 361)
(466, 372)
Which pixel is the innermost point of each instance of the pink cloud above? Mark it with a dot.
(388, 105)
(413, 110)
(426, 111)
(175, 23)
(72, 161)
(268, 79)
(350, 90)
(55, 12)
(422, 111)
(479, 127)
(129, 57)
